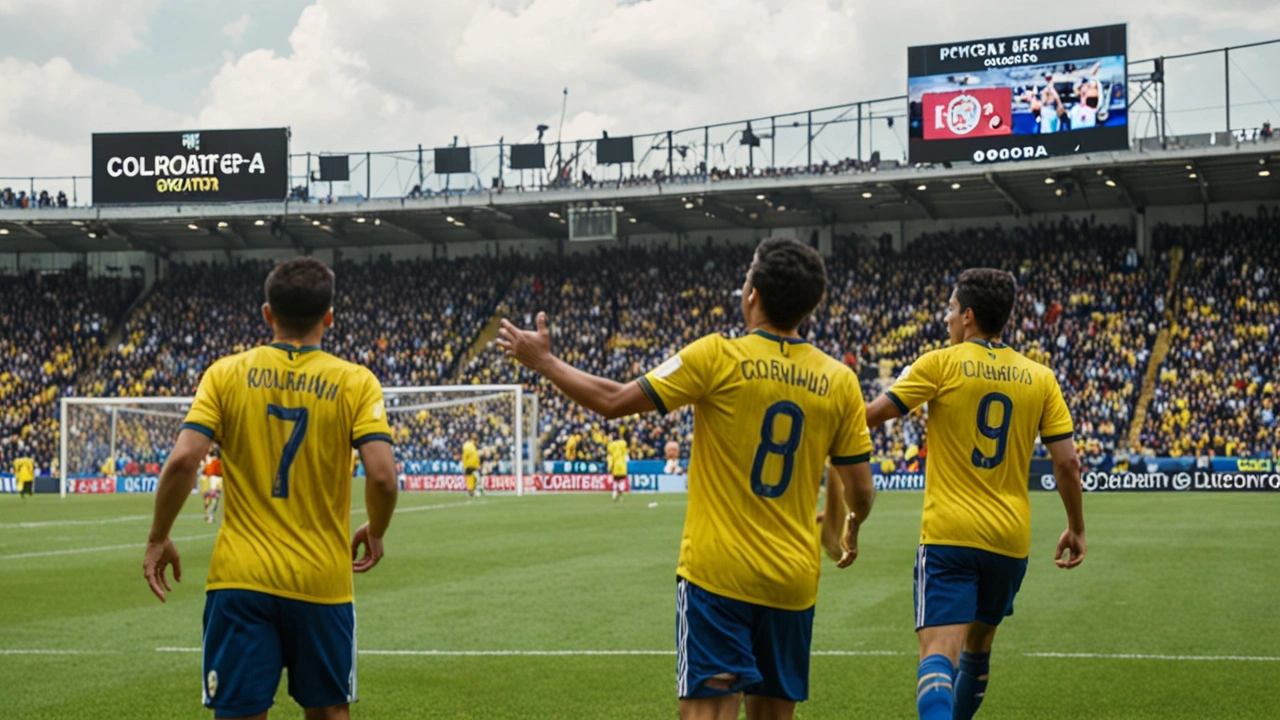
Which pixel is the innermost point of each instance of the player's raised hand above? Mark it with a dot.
(532, 348)
(159, 556)
(1071, 550)
(849, 543)
(372, 549)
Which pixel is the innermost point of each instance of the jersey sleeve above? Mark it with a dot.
(918, 384)
(685, 377)
(371, 414)
(205, 415)
(852, 443)
(1055, 423)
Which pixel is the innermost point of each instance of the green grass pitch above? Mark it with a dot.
(1183, 577)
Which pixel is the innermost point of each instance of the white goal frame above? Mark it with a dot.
(521, 453)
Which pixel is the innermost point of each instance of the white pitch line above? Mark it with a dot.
(420, 508)
(58, 652)
(1136, 656)
(821, 653)
(100, 548)
(60, 523)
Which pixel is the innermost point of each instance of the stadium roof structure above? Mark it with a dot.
(1205, 169)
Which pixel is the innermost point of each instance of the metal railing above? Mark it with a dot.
(1229, 89)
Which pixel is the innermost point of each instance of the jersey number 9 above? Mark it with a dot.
(999, 433)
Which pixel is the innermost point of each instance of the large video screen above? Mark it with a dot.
(190, 166)
(1018, 98)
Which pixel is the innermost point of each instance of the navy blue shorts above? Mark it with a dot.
(957, 585)
(766, 648)
(249, 637)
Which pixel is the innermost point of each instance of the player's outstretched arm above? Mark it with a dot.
(610, 398)
(880, 411)
(381, 490)
(172, 490)
(1066, 470)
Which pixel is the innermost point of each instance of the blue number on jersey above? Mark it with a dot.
(999, 433)
(298, 416)
(769, 447)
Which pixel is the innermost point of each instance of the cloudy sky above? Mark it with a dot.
(351, 75)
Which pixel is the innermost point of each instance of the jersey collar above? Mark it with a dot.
(988, 344)
(779, 338)
(294, 348)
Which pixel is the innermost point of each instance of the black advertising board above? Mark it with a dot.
(615, 151)
(1019, 97)
(528, 157)
(190, 166)
(453, 160)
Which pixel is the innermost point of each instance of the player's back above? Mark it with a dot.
(989, 405)
(768, 412)
(617, 452)
(24, 469)
(286, 419)
(470, 456)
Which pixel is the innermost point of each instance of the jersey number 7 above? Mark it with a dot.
(297, 416)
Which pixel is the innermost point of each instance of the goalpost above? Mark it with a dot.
(128, 436)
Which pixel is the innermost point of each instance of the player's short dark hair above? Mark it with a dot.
(791, 278)
(299, 292)
(990, 294)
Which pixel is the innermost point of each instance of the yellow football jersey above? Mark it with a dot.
(768, 412)
(286, 419)
(617, 450)
(24, 470)
(470, 456)
(987, 404)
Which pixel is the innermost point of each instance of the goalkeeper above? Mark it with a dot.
(471, 467)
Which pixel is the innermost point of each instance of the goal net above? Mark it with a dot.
(110, 445)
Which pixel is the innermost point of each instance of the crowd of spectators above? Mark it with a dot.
(51, 332)
(1217, 388)
(22, 200)
(1089, 307)
(407, 321)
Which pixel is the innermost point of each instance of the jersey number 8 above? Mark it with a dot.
(768, 446)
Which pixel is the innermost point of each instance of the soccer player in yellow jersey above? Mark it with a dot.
(280, 587)
(24, 474)
(618, 459)
(471, 467)
(987, 405)
(769, 410)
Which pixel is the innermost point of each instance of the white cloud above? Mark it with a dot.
(51, 112)
(389, 74)
(237, 28)
(98, 30)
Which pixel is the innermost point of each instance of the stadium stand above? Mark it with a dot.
(1090, 308)
(51, 334)
(1216, 394)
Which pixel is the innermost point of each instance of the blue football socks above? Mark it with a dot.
(933, 688)
(971, 684)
